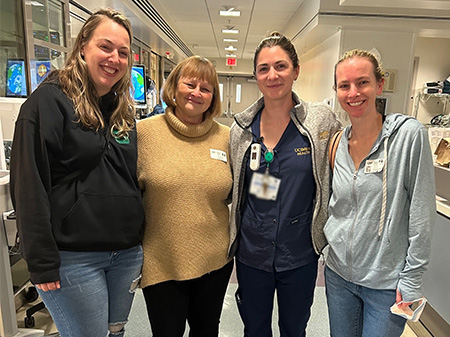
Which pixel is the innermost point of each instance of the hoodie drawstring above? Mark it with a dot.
(383, 205)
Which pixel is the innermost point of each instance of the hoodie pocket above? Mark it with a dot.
(102, 220)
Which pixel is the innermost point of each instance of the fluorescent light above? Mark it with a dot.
(230, 12)
(230, 48)
(230, 40)
(238, 93)
(230, 31)
(37, 4)
(231, 55)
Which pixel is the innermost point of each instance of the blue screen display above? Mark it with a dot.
(16, 85)
(39, 71)
(138, 92)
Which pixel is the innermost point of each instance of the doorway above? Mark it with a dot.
(236, 93)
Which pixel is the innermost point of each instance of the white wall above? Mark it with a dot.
(9, 110)
(243, 67)
(315, 82)
(397, 52)
(433, 65)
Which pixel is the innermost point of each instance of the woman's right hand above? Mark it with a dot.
(48, 286)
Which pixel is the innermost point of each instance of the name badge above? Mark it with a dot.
(264, 186)
(218, 154)
(374, 166)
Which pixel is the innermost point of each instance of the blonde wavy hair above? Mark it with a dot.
(377, 70)
(199, 68)
(77, 84)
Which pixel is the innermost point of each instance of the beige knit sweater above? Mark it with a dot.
(185, 191)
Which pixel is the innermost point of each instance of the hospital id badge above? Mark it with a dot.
(374, 166)
(264, 186)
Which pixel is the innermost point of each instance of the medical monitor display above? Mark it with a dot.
(139, 90)
(16, 85)
(39, 71)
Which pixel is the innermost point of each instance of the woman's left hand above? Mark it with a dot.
(398, 299)
(49, 286)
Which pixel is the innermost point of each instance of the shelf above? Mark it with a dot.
(442, 176)
(441, 95)
(421, 96)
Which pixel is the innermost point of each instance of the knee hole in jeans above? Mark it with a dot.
(116, 328)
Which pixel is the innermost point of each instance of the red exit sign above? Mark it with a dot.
(231, 61)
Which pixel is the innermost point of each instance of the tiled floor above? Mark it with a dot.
(231, 325)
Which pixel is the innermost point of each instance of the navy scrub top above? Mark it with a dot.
(276, 234)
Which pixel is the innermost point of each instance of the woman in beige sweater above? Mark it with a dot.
(184, 172)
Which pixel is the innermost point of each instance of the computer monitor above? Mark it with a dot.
(16, 83)
(139, 89)
(381, 104)
(39, 71)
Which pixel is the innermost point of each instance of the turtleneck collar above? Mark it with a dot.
(187, 130)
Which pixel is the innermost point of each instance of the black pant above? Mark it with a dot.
(199, 301)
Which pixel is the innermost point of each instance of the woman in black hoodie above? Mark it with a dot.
(74, 185)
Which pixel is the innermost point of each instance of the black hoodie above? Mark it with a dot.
(98, 210)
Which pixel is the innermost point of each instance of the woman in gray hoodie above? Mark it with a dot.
(381, 210)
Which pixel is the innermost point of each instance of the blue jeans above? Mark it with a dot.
(97, 289)
(255, 296)
(356, 311)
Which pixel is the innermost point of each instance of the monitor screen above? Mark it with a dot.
(16, 85)
(139, 90)
(381, 104)
(39, 71)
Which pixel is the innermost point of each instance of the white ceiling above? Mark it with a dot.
(198, 25)
(420, 4)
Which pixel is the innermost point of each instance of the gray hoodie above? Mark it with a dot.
(379, 226)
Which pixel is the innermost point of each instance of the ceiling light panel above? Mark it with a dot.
(230, 31)
(230, 13)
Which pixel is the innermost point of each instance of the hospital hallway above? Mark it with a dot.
(231, 324)
(409, 38)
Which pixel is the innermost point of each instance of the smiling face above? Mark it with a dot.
(275, 73)
(106, 55)
(193, 97)
(357, 86)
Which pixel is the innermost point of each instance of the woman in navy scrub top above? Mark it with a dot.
(280, 194)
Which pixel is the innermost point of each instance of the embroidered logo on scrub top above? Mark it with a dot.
(324, 135)
(301, 151)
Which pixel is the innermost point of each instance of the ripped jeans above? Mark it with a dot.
(97, 289)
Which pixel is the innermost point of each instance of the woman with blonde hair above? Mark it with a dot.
(74, 184)
(184, 171)
(381, 210)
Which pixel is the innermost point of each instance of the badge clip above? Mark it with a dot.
(255, 156)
